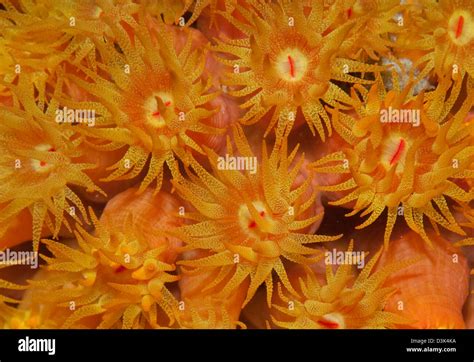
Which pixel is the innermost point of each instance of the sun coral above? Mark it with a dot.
(248, 220)
(38, 163)
(340, 302)
(169, 148)
(445, 34)
(405, 168)
(156, 97)
(36, 37)
(288, 63)
(113, 279)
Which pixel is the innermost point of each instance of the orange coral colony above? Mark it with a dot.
(228, 164)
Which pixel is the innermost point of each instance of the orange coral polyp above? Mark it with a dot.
(262, 233)
(118, 278)
(158, 92)
(343, 301)
(287, 64)
(39, 166)
(446, 41)
(404, 166)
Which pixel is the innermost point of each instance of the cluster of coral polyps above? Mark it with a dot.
(236, 164)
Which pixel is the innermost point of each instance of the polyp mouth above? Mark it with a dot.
(396, 148)
(461, 27)
(39, 165)
(155, 107)
(291, 65)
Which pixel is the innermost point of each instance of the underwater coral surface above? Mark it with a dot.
(236, 164)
